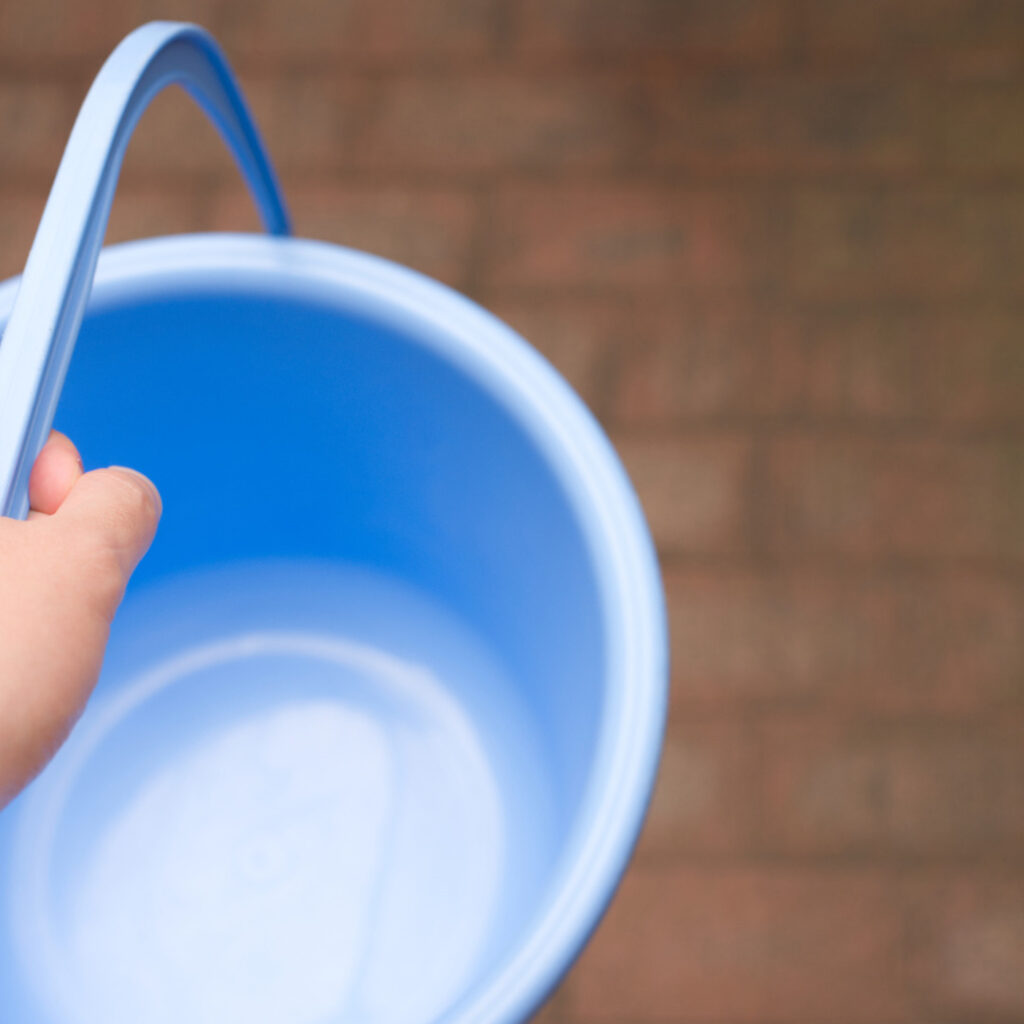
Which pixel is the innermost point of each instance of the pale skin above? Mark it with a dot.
(62, 576)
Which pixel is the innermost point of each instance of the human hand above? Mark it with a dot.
(62, 575)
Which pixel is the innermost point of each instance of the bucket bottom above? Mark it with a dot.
(302, 793)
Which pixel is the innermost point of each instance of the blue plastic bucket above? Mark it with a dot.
(381, 711)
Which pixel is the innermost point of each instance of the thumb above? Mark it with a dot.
(105, 525)
(64, 577)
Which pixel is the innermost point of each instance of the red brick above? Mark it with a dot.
(576, 336)
(685, 360)
(53, 31)
(745, 945)
(52, 27)
(310, 123)
(548, 1014)
(427, 229)
(146, 212)
(554, 1010)
(703, 800)
(962, 366)
(936, 643)
(693, 360)
(37, 119)
(316, 122)
(307, 123)
(968, 960)
(693, 490)
(896, 498)
(879, 29)
(894, 789)
(612, 28)
(156, 149)
(972, 131)
(477, 122)
(672, 239)
(359, 30)
(19, 218)
(906, 243)
(138, 212)
(763, 123)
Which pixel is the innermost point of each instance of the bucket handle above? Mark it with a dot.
(43, 325)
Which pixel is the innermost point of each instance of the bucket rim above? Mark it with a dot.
(602, 498)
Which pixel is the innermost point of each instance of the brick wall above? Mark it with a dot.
(778, 246)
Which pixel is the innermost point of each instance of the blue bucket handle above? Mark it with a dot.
(55, 286)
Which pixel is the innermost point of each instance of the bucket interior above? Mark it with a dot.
(352, 702)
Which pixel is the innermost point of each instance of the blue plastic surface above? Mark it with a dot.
(41, 331)
(382, 709)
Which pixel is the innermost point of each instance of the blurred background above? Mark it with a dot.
(778, 247)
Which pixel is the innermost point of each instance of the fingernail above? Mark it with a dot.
(158, 503)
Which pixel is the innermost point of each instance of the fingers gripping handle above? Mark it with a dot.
(40, 335)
